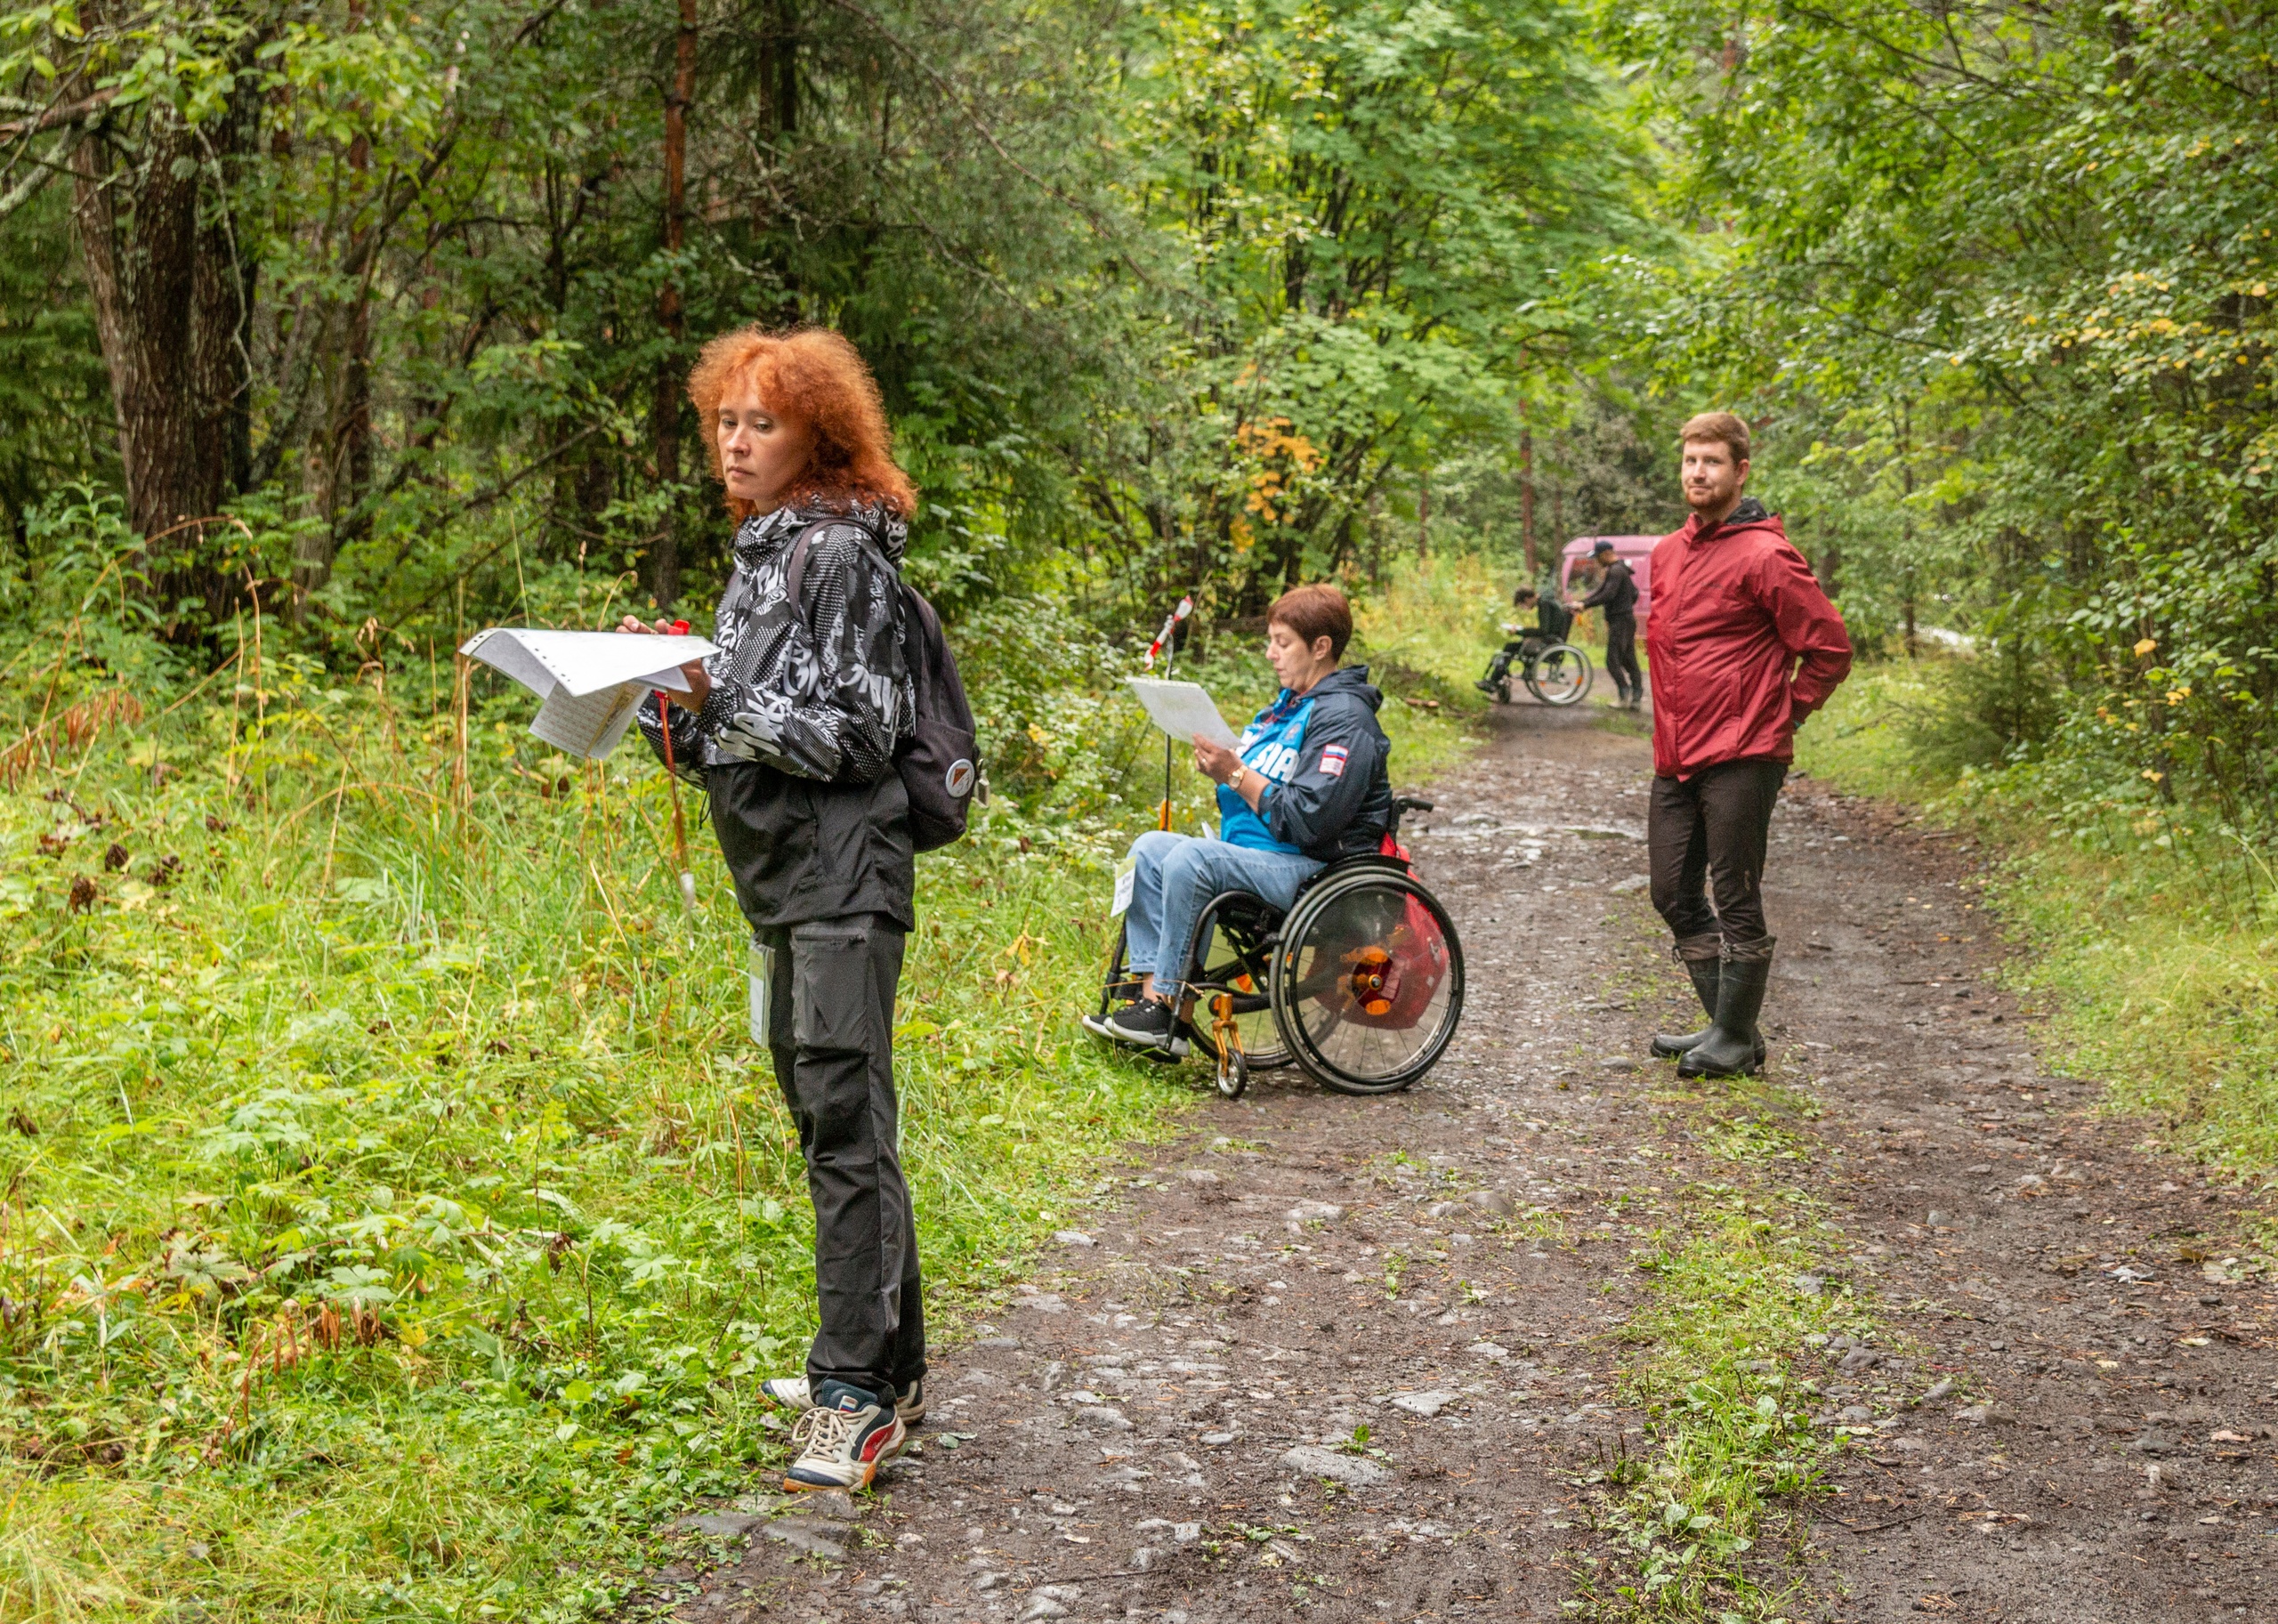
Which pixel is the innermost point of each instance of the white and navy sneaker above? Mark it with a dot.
(793, 1392)
(842, 1440)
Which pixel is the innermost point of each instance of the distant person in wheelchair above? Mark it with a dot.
(1306, 785)
(1551, 621)
(1538, 656)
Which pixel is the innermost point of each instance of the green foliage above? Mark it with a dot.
(54, 399)
(2000, 278)
(2151, 924)
(1185, 287)
(1378, 202)
(1696, 1524)
(396, 1218)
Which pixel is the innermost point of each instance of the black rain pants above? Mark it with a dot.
(830, 1029)
(1707, 834)
(1621, 656)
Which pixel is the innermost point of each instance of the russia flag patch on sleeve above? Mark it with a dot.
(1333, 757)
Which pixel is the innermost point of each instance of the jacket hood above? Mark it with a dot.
(1750, 512)
(763, 534)
(1351, 680)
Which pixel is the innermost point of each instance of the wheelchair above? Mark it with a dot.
(1555, 672)
(1359, 985)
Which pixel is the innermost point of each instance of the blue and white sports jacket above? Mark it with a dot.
(1325, 758)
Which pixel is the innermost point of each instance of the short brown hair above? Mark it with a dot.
(1721, 426)
(814, 376)
(1314, 613)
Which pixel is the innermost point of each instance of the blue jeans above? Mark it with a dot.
(1174, 877)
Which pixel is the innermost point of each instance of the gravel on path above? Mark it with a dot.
(1357, 1359)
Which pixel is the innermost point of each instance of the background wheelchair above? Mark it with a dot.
(1359, 984)
(1555, 672)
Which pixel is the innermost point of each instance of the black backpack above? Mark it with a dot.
(940, 763)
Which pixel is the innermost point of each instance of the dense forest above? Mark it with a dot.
(370, 1134)
(379, 315)
(1161, 296)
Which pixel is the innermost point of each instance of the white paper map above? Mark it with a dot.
(592, 682)
(1183, 710)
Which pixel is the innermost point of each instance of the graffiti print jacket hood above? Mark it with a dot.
(795, 742)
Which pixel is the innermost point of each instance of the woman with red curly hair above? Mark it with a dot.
(792, 729)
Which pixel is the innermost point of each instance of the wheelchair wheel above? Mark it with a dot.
(1236, 963)
(1368, 982)
(1560, 676)
(1232, 1075)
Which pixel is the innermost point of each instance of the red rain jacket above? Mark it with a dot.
(1735, 611)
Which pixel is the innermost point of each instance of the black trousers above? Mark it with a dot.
(1708, 832)
(830, 1029)
(1621, 656)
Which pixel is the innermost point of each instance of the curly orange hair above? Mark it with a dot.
(814, 376)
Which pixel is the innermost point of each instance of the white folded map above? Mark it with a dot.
(590, 682)
(1183, 710)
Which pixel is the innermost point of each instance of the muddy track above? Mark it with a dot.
(1350, 1358)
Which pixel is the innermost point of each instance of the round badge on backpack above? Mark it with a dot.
(959, 780)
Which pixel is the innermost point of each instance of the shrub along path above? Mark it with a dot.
(1540, 1328)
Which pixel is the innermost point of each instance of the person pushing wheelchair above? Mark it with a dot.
(1308, 783)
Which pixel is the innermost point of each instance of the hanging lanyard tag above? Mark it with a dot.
(759, 968)
(1126, 876)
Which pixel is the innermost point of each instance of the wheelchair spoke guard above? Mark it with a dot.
(1368, 982)
(1229, 978)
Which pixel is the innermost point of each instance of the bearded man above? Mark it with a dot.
(1742, 645)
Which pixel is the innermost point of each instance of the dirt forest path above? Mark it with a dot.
(1147, 1429)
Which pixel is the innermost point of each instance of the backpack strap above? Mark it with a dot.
(794, 570)
(917, 615)
(795, 567)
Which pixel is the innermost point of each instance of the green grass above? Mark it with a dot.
(2152, 937)
(396, 1213)
(1436, 620)
(1710, 1525)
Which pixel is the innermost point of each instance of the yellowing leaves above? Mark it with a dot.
(1281, 457)
(2146, 646)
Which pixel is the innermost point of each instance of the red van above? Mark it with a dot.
(1634, 551)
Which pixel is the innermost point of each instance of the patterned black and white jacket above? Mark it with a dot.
(796, 743)
(823, 694)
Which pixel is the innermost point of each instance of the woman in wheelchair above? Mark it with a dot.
(1306, 785)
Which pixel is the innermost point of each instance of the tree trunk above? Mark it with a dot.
(664, 418)
(1906, 525)
(780, 72)
(347, 473)
(1526, 502)
(173, 315)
